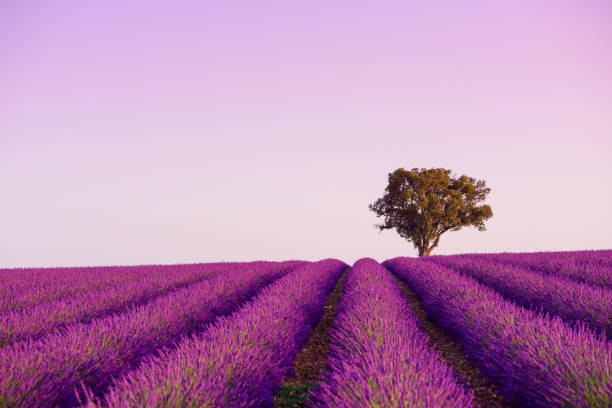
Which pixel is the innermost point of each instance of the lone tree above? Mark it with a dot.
(422, 204)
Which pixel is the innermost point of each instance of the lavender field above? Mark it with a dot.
(489, 330)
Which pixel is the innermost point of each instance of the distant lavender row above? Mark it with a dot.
(538, 361)
(378, 356)
(592, 267)
(591, 256)
(33, 287)
(594, 257)
(241, 360)
(40, 319)
(571, 300)
(45, 373)
(28, 277)
(23, 288)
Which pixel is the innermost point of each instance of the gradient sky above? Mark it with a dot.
(137, 132)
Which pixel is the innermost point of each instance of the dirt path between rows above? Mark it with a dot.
(485, 393)
(312, 360)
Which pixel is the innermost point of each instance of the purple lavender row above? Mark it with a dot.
(240, 361)
(592, 257)
(571, 300)
(378, 356)
(47, 372)
(35, 286)
(66, 283)
(537, 361)
(593, 269)
(25, 277)
(34, 322)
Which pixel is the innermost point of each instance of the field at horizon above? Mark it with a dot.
(467, 330)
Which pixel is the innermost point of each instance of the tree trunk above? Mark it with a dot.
(424, 251)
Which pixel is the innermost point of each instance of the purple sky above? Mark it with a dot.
(139, 132)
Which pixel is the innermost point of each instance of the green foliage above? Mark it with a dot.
(293, 395)
(423, 204)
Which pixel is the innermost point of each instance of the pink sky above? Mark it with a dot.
(188, 131)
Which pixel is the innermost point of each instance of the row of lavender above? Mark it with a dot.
(35, 321)
(47, 371)
(553, 293)
(537, 359)
(241, 360)
(97, 292)
(379, 357)
(23, 288)
(592, 267)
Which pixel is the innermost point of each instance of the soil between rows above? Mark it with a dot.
(485, 393)
(311, 361)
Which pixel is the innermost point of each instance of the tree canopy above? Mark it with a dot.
(422, 204)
